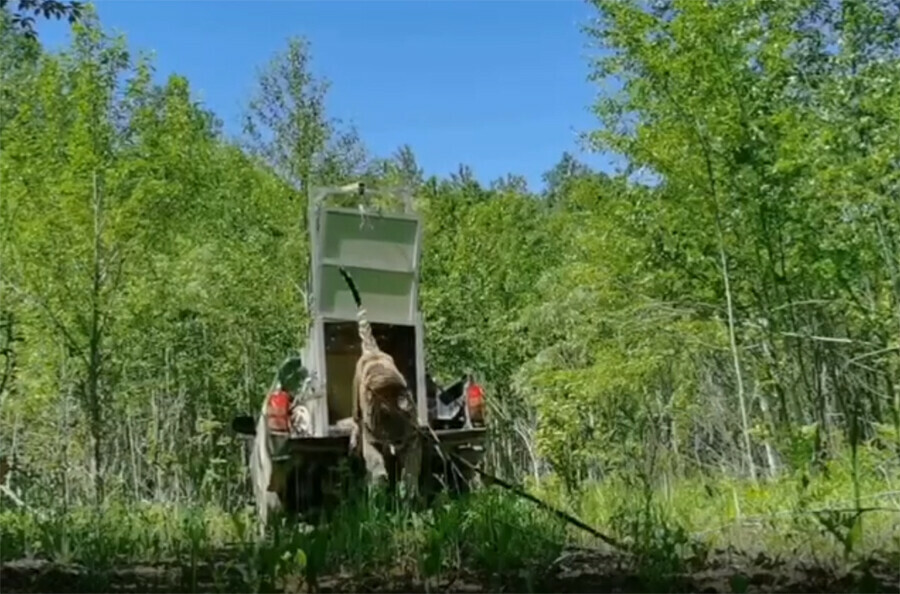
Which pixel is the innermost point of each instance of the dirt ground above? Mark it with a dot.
(574, 571)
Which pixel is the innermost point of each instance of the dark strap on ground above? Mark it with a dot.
(526, 495)
(566, 517)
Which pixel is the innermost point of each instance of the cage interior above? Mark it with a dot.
(342, 350)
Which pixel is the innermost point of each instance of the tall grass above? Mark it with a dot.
(488, 533)
(669, 523)
(796, 514)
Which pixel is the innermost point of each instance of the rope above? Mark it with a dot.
(565, 516)
(455, 459)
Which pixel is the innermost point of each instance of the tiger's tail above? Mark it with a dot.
(365, 329)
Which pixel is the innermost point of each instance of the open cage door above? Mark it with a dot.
(382, 255)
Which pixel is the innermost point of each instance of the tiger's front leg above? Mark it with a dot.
(376, 469)
(411, 469)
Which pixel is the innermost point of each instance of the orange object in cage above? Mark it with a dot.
(278, 411)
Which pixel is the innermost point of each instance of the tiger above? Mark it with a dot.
(383, 407)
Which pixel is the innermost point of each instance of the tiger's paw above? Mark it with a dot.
(354, 438)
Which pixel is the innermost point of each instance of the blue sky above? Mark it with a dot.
(499, 85)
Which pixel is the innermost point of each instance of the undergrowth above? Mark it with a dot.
(488, 532)
(671, 526)
(805, 513)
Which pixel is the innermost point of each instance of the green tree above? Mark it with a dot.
(61, 219)
(288, 125)
(559, 178)
(143, 261)
(740, 110)
(23, 16)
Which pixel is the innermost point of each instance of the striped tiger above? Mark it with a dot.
(383, 406)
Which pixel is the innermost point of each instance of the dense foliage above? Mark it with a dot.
(23, 16)
(730, 303)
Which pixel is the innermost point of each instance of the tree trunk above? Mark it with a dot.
(92, 395)
(739, 377)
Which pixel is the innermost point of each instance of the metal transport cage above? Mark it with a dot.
(382, 251)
